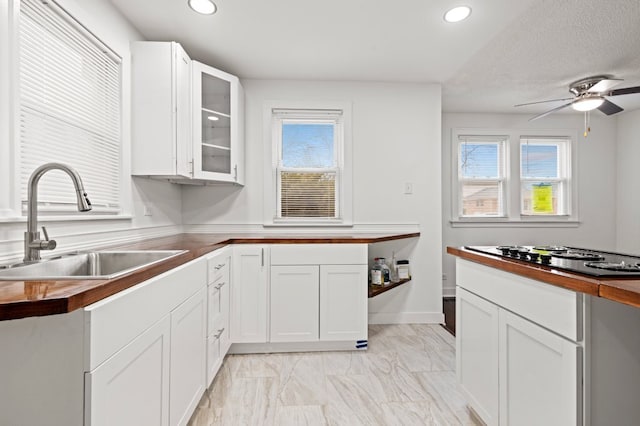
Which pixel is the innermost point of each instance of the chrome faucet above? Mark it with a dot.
(32, 242)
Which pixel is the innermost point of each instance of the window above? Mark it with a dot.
(481, 175)
(309, 182)
(544, 168)
(507, 176)
(69, 109)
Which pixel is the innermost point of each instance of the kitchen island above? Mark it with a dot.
(540, 345)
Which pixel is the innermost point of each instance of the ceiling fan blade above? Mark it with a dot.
(550, 111)
(609, 108)
(542, 102)
(625, 91)
(604, 85)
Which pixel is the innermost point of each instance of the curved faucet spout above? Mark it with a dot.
(32, 243)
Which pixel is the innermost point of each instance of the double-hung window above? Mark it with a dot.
(505, 175)
(309, 182)
(544, 175)
(481, 176)
(69, 109)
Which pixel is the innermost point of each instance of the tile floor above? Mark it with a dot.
(406, 377)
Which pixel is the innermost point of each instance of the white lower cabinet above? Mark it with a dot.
(249, 293)
(318, 292)
(295, 301)
(538, 375)
(513, 371)
(158, 376)
(132, 387)
(188, 349)
(343, 302)
(477, 353)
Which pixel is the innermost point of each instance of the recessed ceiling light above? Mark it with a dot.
(457, 14)
(213, 118)
(587, 104)
(206, 7)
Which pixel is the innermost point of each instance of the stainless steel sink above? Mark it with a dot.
(86, 265)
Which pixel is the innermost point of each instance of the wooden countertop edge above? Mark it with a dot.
(538, 272)
(626, 291)
(105, 288)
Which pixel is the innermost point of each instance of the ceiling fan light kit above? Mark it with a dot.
(587, 103)
(590, 93)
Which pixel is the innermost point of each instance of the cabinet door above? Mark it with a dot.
(295, 301)
(217, 120)
(477, 353)
(161, 110)
(249, 273)
(343, 302)
(539, 375)
(188, 351)
(132, 387)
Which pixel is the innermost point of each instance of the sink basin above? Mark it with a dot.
(87, 265)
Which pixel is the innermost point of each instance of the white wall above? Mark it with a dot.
(627, 183)
(106, 23)
(396, 137)
(596, 187)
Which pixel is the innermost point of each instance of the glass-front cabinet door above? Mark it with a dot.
(218, 150)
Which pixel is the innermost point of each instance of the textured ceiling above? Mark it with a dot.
(507, 52)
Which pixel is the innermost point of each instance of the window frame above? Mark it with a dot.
(564, 173)
(11, 204)
(502, 180)
(513, 214)
(307, 112)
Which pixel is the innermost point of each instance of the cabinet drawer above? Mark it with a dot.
(214, 357)
(319, 254)
(218, 267)
(555, 308)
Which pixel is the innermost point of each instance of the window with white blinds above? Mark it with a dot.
(69, 109)
(309, 163)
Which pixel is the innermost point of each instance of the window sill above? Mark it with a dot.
(543, 222)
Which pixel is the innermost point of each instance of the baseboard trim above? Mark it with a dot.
(406, 318)
(266, 348)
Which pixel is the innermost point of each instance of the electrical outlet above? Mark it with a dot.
(147, 210)
(444, 277)
(408, 188)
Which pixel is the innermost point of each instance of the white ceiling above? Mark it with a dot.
(507, 52)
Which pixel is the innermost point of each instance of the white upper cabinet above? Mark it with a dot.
(187, 117)
(218, 125)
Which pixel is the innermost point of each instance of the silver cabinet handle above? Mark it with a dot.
(217, 336)
(219, 286)
(262, 257)
(218, 266)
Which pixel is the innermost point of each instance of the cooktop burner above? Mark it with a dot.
(578, 255)
(610, 266)
(584, 261)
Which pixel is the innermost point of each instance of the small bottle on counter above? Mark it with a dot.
(380, 273)
(394, 269)
(403, 270)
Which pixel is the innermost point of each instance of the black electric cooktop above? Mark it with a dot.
(583, 261)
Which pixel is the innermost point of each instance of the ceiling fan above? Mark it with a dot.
(588, 94)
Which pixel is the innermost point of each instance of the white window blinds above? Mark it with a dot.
(70, 108)
(309, 163)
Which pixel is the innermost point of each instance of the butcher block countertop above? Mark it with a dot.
(20, 299)
(623, 290)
